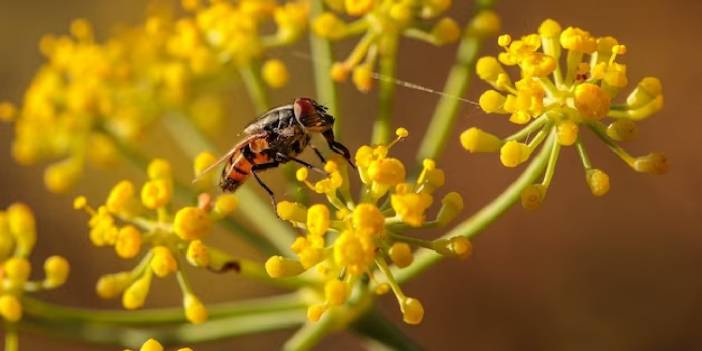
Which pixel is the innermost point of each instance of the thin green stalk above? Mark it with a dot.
(334, 319)
(38, 309)
(255, 87)
(487, 215)
(321, 51)
(583, 154)
(382, 129)
(259, 212)
(375, 326)
(181, 334)
(310, 334)
(11, 337)
(441, 128)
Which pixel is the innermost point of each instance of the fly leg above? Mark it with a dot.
(338, 147)
(261, 167)
(319, 154)
(284, 158)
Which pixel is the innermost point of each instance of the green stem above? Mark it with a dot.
(11, 337)
(441, 128)
(54, 313)
(487, 215)
(321, 51)
(382, 129)
(176, 334)
(253, 208)
(255, 87)
(583, 154)
(375, 326)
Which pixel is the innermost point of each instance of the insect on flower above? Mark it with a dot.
(276, 137)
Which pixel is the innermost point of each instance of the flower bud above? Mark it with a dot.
(654, 163)
(198, 255)
(135, 295)
(336, 292)
(281, 267)
(163, 263)
(274, 73)
(622, 130)
(10, 308)
(56, 269)
(598, 181)
(451, 206)
(111, 285)
(192, 223)
(476, 140)
(401, 254)
(195, 311)
(533, 196)
(412, 311)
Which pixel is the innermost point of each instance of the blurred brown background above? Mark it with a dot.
(583, 273)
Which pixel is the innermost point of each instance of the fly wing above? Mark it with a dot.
(273, 115)
(226, 156)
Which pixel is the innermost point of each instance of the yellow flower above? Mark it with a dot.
(274, 73)
(569, 82)
(381, 25)
(17, 238)
(169, 237)
(152, 344)
(361, 234)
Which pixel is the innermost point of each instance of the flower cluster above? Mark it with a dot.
(381, 22)
(90, 95)
(153, 345)
(17, 239)
(569, 79)
(348, 240)
(171, 238)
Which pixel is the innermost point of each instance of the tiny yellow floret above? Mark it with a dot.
(281, 267)
(401, 254)
(151, 345)
(275, 73)
(598, 181)
(477, 140)
(192, 223)
(336, 292)
(513, 153)
(591, 101)
(195, 311)
(10, 308)
(56, 269)
(412, 311)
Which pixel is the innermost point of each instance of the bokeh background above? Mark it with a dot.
(582, 273)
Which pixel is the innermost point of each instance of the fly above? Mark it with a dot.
(276, 137)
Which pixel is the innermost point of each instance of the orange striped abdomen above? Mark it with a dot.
(239, 170)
